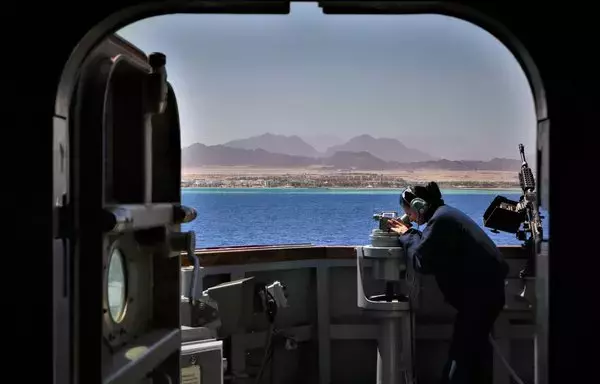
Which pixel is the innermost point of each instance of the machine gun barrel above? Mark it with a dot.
(526, 178)
(522, 152)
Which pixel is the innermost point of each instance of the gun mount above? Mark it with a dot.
(519, 217)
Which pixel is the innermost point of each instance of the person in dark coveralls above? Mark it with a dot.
(469, 270)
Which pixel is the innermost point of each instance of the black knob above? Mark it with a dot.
(183, 214)
(157, 60)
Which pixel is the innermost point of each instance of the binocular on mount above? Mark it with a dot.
(384, 217)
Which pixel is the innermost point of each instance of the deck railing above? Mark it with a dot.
(324, 316)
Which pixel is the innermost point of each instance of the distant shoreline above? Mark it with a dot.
(362, 188)
(309, 179)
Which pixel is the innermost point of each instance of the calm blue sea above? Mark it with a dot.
(233, 217)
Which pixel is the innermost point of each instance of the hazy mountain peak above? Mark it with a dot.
(289, 145)
(388, 149)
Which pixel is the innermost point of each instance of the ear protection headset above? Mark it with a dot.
(419, 205)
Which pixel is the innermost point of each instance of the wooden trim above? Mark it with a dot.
(269, 254)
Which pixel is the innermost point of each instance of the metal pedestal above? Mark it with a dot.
(392, 309)
(394, 350)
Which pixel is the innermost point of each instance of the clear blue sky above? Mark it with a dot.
(438, 84)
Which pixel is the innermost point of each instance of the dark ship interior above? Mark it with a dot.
(110, 144)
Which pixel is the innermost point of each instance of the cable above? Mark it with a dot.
(413, 359)
(268, 352)
(510, 370)
(271, 312)
(412, 283)
(191, 254)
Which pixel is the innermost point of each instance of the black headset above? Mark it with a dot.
(418, 204)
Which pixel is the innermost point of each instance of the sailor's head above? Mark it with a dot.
(430, 194)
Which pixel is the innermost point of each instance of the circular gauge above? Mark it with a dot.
(117, 286)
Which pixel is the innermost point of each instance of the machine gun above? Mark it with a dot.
(521, 218)
(533, 219)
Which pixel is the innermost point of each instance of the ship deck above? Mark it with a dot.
(336, 343)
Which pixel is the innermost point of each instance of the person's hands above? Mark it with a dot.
(397, 226)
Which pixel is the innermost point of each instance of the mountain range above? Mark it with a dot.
(362, 152)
